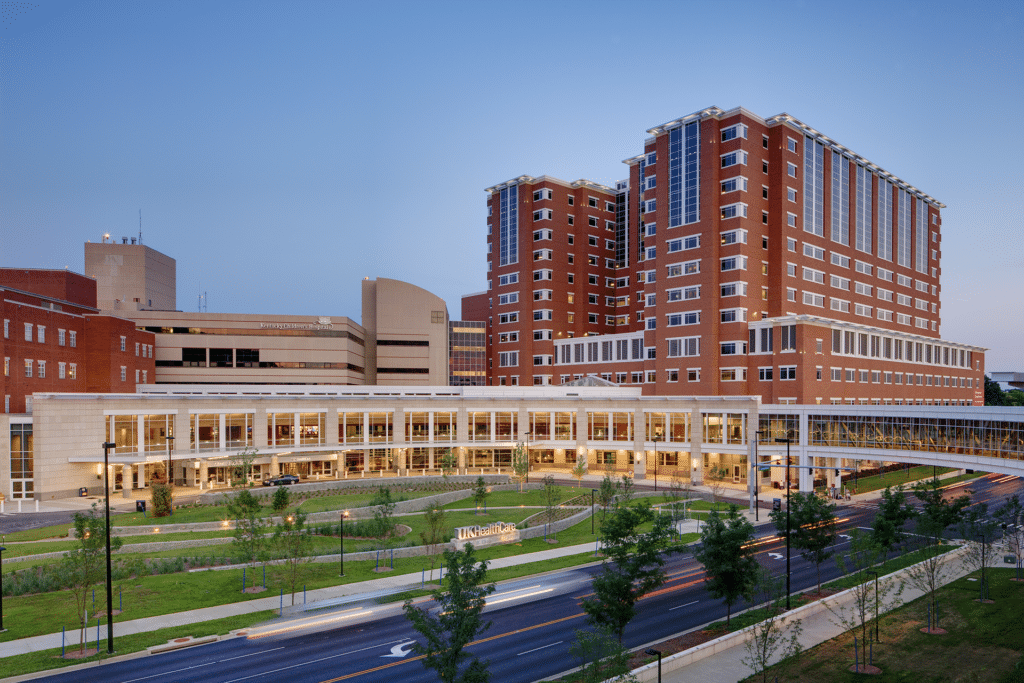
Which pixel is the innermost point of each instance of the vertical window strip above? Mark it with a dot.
(640, 193)
(814, 191)
(921, 238)
(884, 219)
(675, 177)
(509, 226)
(692, 196)
(840, 199)
(863, 241)
(684, 175)
(903, 229)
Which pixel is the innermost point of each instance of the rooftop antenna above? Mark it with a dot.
(201, 307)
(140, 226)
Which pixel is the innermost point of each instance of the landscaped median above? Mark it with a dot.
(818, 610)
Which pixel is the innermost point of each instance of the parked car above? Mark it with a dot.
(283, 480)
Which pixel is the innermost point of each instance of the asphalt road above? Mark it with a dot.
(529, 639)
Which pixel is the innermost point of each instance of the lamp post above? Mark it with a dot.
(170, 447)
(872, 571)
(757, 481)
(655, 439)
(106, 504)
(592, 511)
(2, 629)
(528, 435)
(341, 536)
(652, 651)
(787, 441)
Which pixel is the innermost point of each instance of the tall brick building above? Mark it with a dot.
(742, 256)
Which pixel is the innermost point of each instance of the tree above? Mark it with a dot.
(893, 513)
(383, 515)
(601, 655)
(928, 576)
(241, 465)
(579, 470)
(769, 641)
(281, 499)
(678, 488)
(715, 479)
(551, 496)
(812, 527)
(449, 462)
(249, 540)
(729, 565)
(867, 597)
(980, 532)
(480, 493)
(626, 491)
(457, 620)
(937, 514)
(606, 495)
(294, 540)
(163, 498)
(85, 565)
(993, 393)
(436, 531)
(520, 465)
(633, 565)
(1011, 517)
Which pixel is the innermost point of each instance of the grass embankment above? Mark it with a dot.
(984, 643)
(877, 482)
(531, 497)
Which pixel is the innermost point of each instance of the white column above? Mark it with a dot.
(222, 431)
(295, 430)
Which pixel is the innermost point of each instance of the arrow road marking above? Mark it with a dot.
(399, 650)
(844, 536)
(776, 556)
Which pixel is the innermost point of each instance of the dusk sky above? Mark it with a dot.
(282, 151)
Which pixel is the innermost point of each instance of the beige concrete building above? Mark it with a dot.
(131, 277)
(406, 334)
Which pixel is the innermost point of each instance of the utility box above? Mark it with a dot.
(140, 506)
(776, 504)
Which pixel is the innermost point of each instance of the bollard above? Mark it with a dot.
(120, 600)
(37, 505)
(376, 565)
(243, 579)
(856, 656)
(62, 642)
(282, 603)
(19, 505)
(422, 572)
(94, 599)
(97, 635)
(392, 558)
(303, 595)
(264, 577)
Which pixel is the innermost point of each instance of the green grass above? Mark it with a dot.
(532, 497)
(984, 643)
(880, 481)
(50, 659)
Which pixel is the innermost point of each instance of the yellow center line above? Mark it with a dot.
(475, 642)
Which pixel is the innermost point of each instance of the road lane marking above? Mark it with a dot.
(251, 654)
(542, 647)
(517, 597)
(314, 661)
(187, 668)
(682, 606)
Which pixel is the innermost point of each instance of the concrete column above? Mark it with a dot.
(260, 422)
(640, 454)
(295, 430)
(806, 475)
(402, 461)
(275, 467)
(126, 481)
(222, 429)
(461, 451)
(696, 443)
(204, 474)
(332, 422)
(753, 478)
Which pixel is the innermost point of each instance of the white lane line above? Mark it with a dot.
(682, 606)
(165, 673)
(251, 654)
(542, 647)
(314, 661)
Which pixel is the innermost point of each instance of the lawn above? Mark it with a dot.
(880, 481)
(984, 643)
(532, 497)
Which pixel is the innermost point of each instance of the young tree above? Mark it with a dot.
(714, 479)
(249, 541)
(928, 576)
(579, 470)
(1011, 518)
(980, 532)
(773, 639)
(281, 499)
(893, 513)
(242, 467)
(520, 465)
(626, 491)
(480, 493)
(456, 622)
(449, 463)
(601, 655)
(163, 498)
(552, 494)
(294, 541)
(729, 565)
(606, 495)
(937, 514)
(868, 597)
(383, 516)
(85, 565)
(812, 527)
(679, 488)
(436, 531)
(633, 565)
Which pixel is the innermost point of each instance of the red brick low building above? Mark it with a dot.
(55, 339)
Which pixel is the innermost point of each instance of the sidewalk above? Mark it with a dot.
(373, 587)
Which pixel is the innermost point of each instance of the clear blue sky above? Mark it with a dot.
(281, 151)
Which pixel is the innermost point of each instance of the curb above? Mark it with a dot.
(179, 643)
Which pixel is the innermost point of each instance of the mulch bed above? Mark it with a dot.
(675, 645)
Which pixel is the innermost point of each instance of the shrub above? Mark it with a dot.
(281, 499)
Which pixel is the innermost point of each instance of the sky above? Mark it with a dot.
(283, 151)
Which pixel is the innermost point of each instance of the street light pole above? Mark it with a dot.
(592, 511)
(652, 651)
(170, 447)
(787, 441)
(110, 586)
(757, 474)
(872, 571)
(341, 536)
(2, 629)
(655, 439)
(528, 435)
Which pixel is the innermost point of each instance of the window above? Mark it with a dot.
(733, 348)
(683, 346)
(72, 371)
(884, 274)
(137, 373)
(791, 169)
(592, 201)
(688, 318)
(542, 215)
(540, 195)
(734, 289)
(839, 305)
(862, 267)
(7, 329)
(737, 184)
(814, 252)
(28, 367)
(508, 359)
(650, 182)
(122, 346)
(684, 243)
(812, 275)
(863, 289)
(840, 282)
(28, 332)
(734, 237)
(738, 130)
(764, 374)
(62, 372)
(733, 315)
(508, 337)
(511, 298)
(734, 158)
(650, 205)
(790, 144)
(787, 372)
(42, 369)
(734, 263)
(840, 260)
(124, 374)
(837, 374)
(539, 235)
(734, 374)
(60, 337)
(544, 274)
(505, 318)
(790, 294)
(812, 299)
(40, 334)
(791, 194)
(542, 255)
(791, 219)
(652, 323)
(542, 314)
(509, 279)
